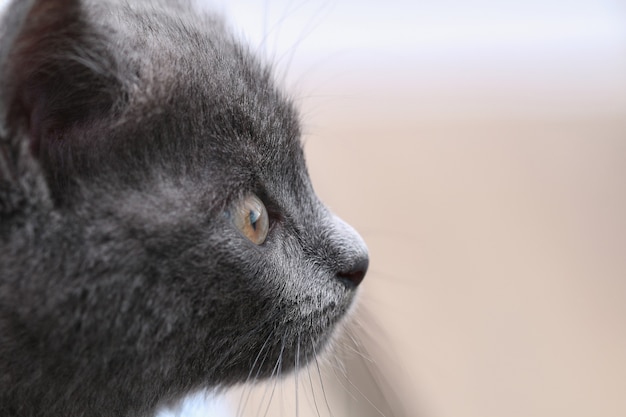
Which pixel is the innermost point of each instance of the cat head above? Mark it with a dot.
(174, 240)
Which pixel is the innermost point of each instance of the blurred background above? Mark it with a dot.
(479, 147)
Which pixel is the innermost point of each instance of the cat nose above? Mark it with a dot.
(353, 275)
(352, 253)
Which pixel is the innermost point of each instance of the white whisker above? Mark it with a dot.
(243, 402)
(308, 369)
(296, 374)
(319, 373)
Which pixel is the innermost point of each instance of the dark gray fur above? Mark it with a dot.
(127, 130)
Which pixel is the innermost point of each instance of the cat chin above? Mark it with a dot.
(297, 340)
(317, 333)
(311, 349)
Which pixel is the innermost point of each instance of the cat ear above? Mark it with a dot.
(54, 76)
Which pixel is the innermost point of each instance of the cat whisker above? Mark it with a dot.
(310, 27)
(353, 346)
(279, 363)
(242, 403)
(227, 357)
(360, 340)
(262, 47)
(297, 364)
(280, 368)
(366, 398)
(275, 376)
(319, 373)
(337, 365)
(308, 370)
(269, 402)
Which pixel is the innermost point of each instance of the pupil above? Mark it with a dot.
(254, 216)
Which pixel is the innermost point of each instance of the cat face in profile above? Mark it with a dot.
(158, 229)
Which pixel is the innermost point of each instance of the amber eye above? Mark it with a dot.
(250, 217)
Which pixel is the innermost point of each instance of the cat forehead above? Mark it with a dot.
(185, 74)
(159, 47)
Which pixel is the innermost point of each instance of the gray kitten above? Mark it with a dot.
(158, 229)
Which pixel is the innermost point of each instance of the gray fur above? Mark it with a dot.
(127, 130)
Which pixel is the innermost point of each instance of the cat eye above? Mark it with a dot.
(250, 217)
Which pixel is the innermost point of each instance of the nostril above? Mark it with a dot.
(355, 274)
